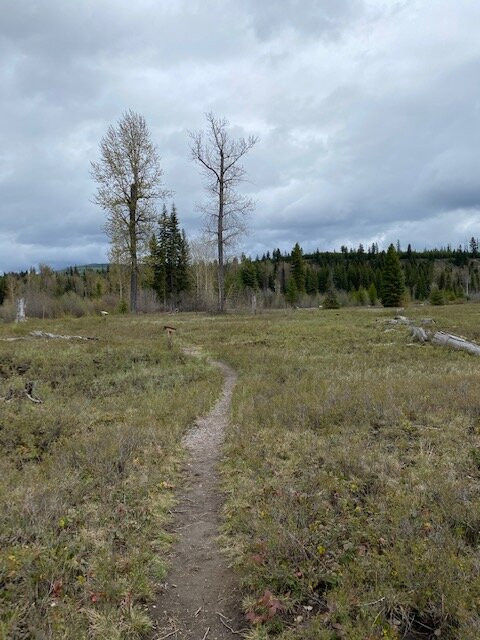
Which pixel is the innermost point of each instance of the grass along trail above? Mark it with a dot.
(201, 598)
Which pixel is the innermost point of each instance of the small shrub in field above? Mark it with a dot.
(122, 306)
(437, 297)
(331, 301)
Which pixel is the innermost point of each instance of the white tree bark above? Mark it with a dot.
(456, 342)
(20, 310)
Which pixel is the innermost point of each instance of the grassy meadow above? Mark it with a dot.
(351, 473)
(87, 477)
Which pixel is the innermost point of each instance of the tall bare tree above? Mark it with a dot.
(219, 155)
(129, 180)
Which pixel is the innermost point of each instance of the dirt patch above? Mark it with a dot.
(201, 598)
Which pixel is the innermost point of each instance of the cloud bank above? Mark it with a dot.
(368, 114)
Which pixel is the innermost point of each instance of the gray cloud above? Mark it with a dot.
(368, 113)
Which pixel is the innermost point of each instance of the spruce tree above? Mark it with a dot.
(157, 264)
(183, 264)
(248, 274)
(161, 257)
(311, 284)
(436, 297)
(169, 258)
(298, 267)
(392, 279)
(291, 294)
(372, 294)
(330, 301)
(172, 253)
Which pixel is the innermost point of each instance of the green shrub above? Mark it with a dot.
(331, 301)
(437, 297)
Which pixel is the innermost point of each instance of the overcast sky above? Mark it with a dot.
(368, 113)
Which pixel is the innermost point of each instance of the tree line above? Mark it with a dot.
(178, 274)
(365, 274)
(152, 265)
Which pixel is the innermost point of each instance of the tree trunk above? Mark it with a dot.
(20, 310)
(132, 230)
(221, 274)
(456, 342)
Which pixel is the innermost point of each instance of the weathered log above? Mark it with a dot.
(58, 336)
(456, 342)
(27, 392)
(400, 320)
(419, 334)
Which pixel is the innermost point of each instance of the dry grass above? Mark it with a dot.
(87, 476)
(353, 474)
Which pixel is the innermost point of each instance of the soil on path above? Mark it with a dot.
(201, 598)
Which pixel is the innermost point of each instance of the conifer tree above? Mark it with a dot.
(331, 301)
(169, 258)
(392, 279)
(183, 270)
(298, 267)
(311, 282)
(157, 264)
(436, 297)
(248, 274)
(372, 294)
(291, 294)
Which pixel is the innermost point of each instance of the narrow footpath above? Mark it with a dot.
(201, 600)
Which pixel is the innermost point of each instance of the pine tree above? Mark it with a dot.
(421, 291)
(310, 282)
(172, 253)
(437, 297)
(298, 267)
(183, 265)
(160, 277)
(392, 279)
(372, 294)
(330, 301)
(248, 274)
(169, 258)
(176, 257)
(291, 295)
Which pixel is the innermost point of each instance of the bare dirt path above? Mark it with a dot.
(201, 599)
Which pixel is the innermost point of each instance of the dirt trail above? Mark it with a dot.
(201, 599)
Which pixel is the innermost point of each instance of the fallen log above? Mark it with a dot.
(456, 342)
(444, 339)
(27, 392)
(58, 336)
(419, 334)
(400, 320)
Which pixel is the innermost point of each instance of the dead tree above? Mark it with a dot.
(20, 310)
(456, 342)
(225, 210)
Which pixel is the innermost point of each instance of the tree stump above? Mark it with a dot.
(170, 331)
(20, 310)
